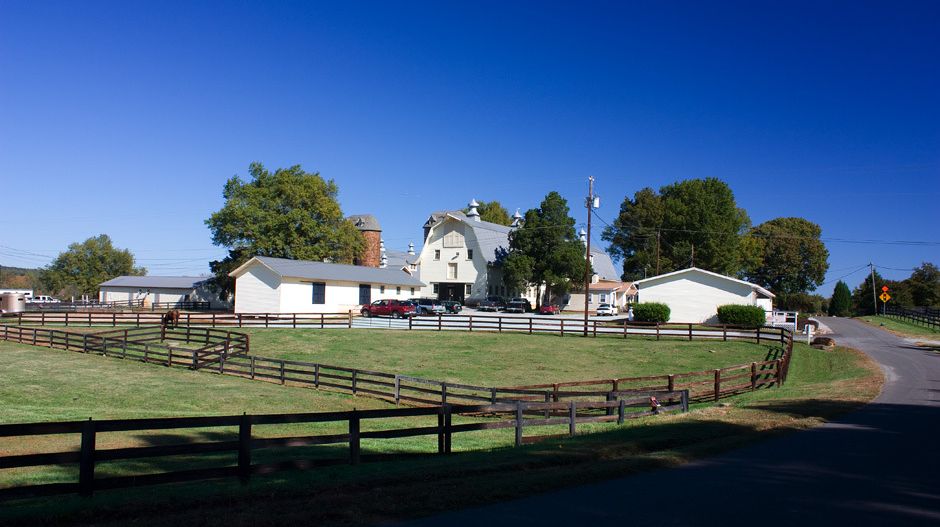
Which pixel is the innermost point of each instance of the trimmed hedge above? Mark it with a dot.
(741, 315)
(650, 312)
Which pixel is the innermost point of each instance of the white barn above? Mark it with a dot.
(158, 289)
(277, 285)
(693, 295)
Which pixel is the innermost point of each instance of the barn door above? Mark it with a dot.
(365, 294)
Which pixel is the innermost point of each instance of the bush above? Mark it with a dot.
(650, 312)
(741, 315)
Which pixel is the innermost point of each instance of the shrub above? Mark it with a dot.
(741, 315)
(650, 312)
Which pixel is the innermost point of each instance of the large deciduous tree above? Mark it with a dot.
(791, 257)
(924, 285)
(545, 251)
(288, 213)
(692, 222)
(81, 268)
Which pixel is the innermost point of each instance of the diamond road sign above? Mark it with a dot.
(885, 297)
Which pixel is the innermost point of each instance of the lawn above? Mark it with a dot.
(493, 359)
(901, 327)
(822, 384)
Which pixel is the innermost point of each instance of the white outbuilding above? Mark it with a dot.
(277, 285)
(166, 291)
(693, 295)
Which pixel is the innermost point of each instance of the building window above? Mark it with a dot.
(436, 289)
(381, 289)
(452, 271)
(603, 298)
(467, 289)
(469, 254)
(412, 291)
(319, 293)
(414, 267)
(397, 290)
(437, 254)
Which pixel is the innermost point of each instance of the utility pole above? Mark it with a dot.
(657, 253)
(874, 295)
(693, 256)
(587, 252)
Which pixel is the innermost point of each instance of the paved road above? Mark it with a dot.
(876, 466)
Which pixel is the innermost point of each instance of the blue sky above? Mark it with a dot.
(126, 118)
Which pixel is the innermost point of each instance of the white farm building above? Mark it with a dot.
(158, 289)
(693, 295)
(277, 285)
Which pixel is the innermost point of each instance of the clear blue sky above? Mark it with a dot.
(126, 118)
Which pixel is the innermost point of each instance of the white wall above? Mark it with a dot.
(341, 297)
(257, 291)
(468, 271)
(695, 297)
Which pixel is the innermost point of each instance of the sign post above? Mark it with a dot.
(884, 299)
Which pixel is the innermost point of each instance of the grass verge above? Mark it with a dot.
(901, 327)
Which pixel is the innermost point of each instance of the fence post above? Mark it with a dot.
(448, 432)
(572, 417)
(777, 372)
(354, 438)
(440, 430)
(471, 323)
(350, 314)
(354, 375)
(321, 320)
(493, 395)
(86, 467)
(555, 392)
(530, 325)
(499, 324)
(724, 332)
(690, 331)
(397, 390)
(410, 322)
(222, 358)
(671, 382)
(657, 330)
(518, 423)
(293, 318)
(282, 372)
(316, 375)
(443, 393)
(439, 326)
(717, 384)
(244, 449)
(194, 359)
(594, 330)
(548, 399)
(625, 329)
(609, 410)
(621, 411)
(562, 326)
(251, 367)
(753, 376)
(113, 320)
(758, 334)
(684, 400)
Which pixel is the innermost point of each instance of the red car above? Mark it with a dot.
(393, 308)
(549, 309)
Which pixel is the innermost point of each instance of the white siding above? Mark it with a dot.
(695, 297)
(257, 291)
(468, 271)
(341, 297)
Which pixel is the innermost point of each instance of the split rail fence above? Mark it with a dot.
(925, 316)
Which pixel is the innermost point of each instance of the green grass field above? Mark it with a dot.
(492, 359)
(901, 327)
(42, 384)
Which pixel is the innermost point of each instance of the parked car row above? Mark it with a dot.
(406, 308)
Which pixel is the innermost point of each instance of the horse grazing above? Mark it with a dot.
(171, 318)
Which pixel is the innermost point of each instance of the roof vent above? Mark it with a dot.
(472, 213)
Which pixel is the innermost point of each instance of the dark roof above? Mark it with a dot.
(365, 222)
(331, 271)
(166, 282)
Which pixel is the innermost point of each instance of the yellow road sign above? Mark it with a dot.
(885, 297)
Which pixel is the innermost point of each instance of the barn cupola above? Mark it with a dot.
(516, 219)
(411, 248)
(473, 214)
(582, 235)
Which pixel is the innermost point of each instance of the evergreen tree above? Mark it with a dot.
(841, 303)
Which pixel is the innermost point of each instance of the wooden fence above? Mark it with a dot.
(194, 306)
(925, 316)
(88, 456)
(213, 319)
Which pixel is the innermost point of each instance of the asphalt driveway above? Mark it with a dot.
(879, 465)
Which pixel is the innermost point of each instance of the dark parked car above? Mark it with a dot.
(518, 305)
(549, 309)
(393, 308)
(452, 306)
(492, 303)
(429, 306)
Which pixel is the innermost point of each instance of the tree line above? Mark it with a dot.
(920, 289)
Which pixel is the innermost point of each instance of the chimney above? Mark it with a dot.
(472, 213)
(371, 230)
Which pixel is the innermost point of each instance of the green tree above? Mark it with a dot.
(841, 303)
(84, 265)
(288, 213)
(924, 284)
(791, 256)
(695, 221)
(545, 251)
(493, 212)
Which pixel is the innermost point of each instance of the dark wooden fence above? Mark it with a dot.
(213, 319)
(192, 306)
(925, 316)
(241, 466)
(82, 306)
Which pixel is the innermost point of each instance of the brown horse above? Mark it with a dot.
(171, 318)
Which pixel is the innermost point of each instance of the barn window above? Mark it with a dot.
(436, 289)
(319, 293)
(467, 289)
(469, 254)
(397, 290)
(381, 289)
(452, 271)
(437, 254)
(412, 291)
(453, 239)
